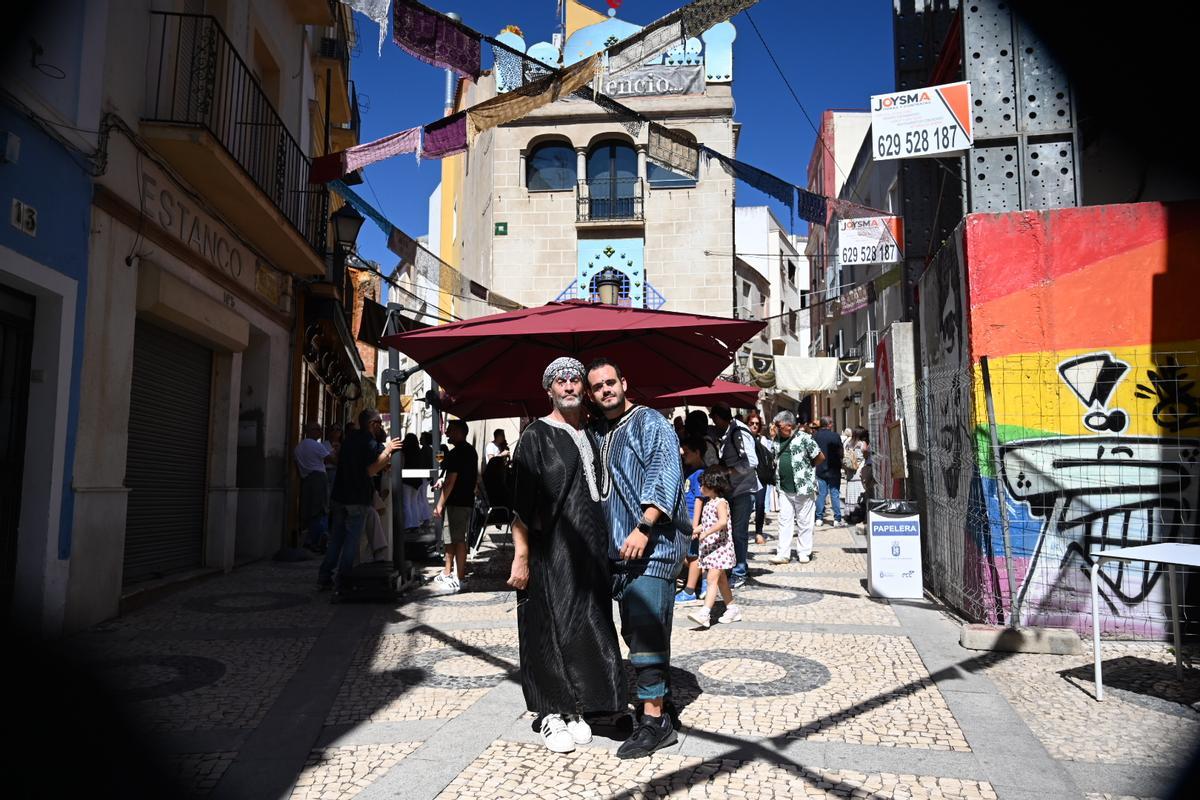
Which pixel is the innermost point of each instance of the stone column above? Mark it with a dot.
(521, 178)
(580, 163)
(641, 157)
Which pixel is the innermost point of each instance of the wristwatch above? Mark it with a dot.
(645, 527)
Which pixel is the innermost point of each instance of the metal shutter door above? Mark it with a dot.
(167, 464)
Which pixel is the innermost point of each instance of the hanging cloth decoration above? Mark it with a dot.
(343, 162)
(446, 137)
(362, 206)
(673, 29)
(672, 150)
(519, 102)
(812, 208)
(628, 118)
(403, 245)
(436, 39)
(765, 182)
(376, 11)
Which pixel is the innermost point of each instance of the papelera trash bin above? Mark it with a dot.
(893, 549)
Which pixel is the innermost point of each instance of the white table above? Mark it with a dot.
(1173, 555)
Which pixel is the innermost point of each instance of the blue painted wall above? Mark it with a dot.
(55, 182)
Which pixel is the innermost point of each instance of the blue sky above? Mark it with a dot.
(835, 54)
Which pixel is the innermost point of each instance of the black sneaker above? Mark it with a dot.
(652, 733)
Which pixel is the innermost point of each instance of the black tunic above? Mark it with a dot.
(570, 660)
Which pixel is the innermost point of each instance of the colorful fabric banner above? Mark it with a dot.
(403, 245)
(519, 102)
(362, 206)
(673, 151)
(673, 29)
(765, 182)
(343, 162)
(813, 208)
(436, 39)
(376, 11)
(446, 137)
(629, 119)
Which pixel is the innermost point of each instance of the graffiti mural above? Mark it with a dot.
(1096, 408)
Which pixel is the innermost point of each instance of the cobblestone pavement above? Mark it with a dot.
(254, 685)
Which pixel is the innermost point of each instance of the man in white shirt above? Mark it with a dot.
(311, 456)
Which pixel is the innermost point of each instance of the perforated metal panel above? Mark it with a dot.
(1024, 154)
(995, 177)
(988, 62)
(1049, 173)
(1045, 99)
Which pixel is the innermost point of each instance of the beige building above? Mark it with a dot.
(541, 207)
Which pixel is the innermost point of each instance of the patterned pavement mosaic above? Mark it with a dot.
(511, 770)
(819, 692)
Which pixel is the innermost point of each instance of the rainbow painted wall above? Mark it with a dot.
(1090, 323)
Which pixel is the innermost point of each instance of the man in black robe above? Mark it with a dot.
(570, 659)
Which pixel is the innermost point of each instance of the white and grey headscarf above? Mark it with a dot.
(565, 367)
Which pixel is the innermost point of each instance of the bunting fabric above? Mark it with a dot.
(376, 11)
(765, 182)
(629, 119)
(362, 206)
(813, 208)
(343, 162)
(446, 137)
(672, 30)
(672, 150)
(434, 38)
(519, 102)
(403, 245)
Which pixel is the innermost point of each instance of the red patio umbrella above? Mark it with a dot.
(738, 395)
(498, 360)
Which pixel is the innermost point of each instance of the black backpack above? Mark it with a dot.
(766, 462)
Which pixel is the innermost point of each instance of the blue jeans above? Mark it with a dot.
(740, 507)
(346, 528)
(832, 488)
(647, 604)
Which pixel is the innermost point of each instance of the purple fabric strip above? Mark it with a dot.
(436, 39)
(445, 137)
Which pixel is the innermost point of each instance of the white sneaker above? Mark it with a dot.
(446, 584)
(580, 731)
(779, 560)
(555, 735)
(701, 616)
(732, 614)
(804, 559)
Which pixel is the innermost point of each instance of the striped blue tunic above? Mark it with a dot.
(641, 467)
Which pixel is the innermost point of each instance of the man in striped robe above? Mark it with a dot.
(642, 494)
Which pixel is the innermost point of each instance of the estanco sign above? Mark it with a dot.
(656, 79)
(921, 122)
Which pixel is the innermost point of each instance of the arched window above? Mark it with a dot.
(660, 177)
(612, 180)
(550, 167)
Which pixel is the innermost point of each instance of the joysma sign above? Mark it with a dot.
(921, 122)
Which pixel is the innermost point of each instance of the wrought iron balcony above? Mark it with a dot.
(199, 80)
(610, 200)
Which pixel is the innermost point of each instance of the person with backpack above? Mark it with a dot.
(798, 457)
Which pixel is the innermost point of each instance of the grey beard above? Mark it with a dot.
(561, 403)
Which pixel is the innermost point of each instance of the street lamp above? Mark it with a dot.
(346, 224)
(608, 286)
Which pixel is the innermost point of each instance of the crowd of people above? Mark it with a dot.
(609, 502)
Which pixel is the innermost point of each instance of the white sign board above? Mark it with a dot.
(870, 240)
(921, 122)
(893, 555)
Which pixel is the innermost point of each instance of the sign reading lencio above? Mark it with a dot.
(921, 122)
(870, 240)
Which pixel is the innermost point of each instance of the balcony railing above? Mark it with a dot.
(609, 199)
(335, 43)
(200, 80)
